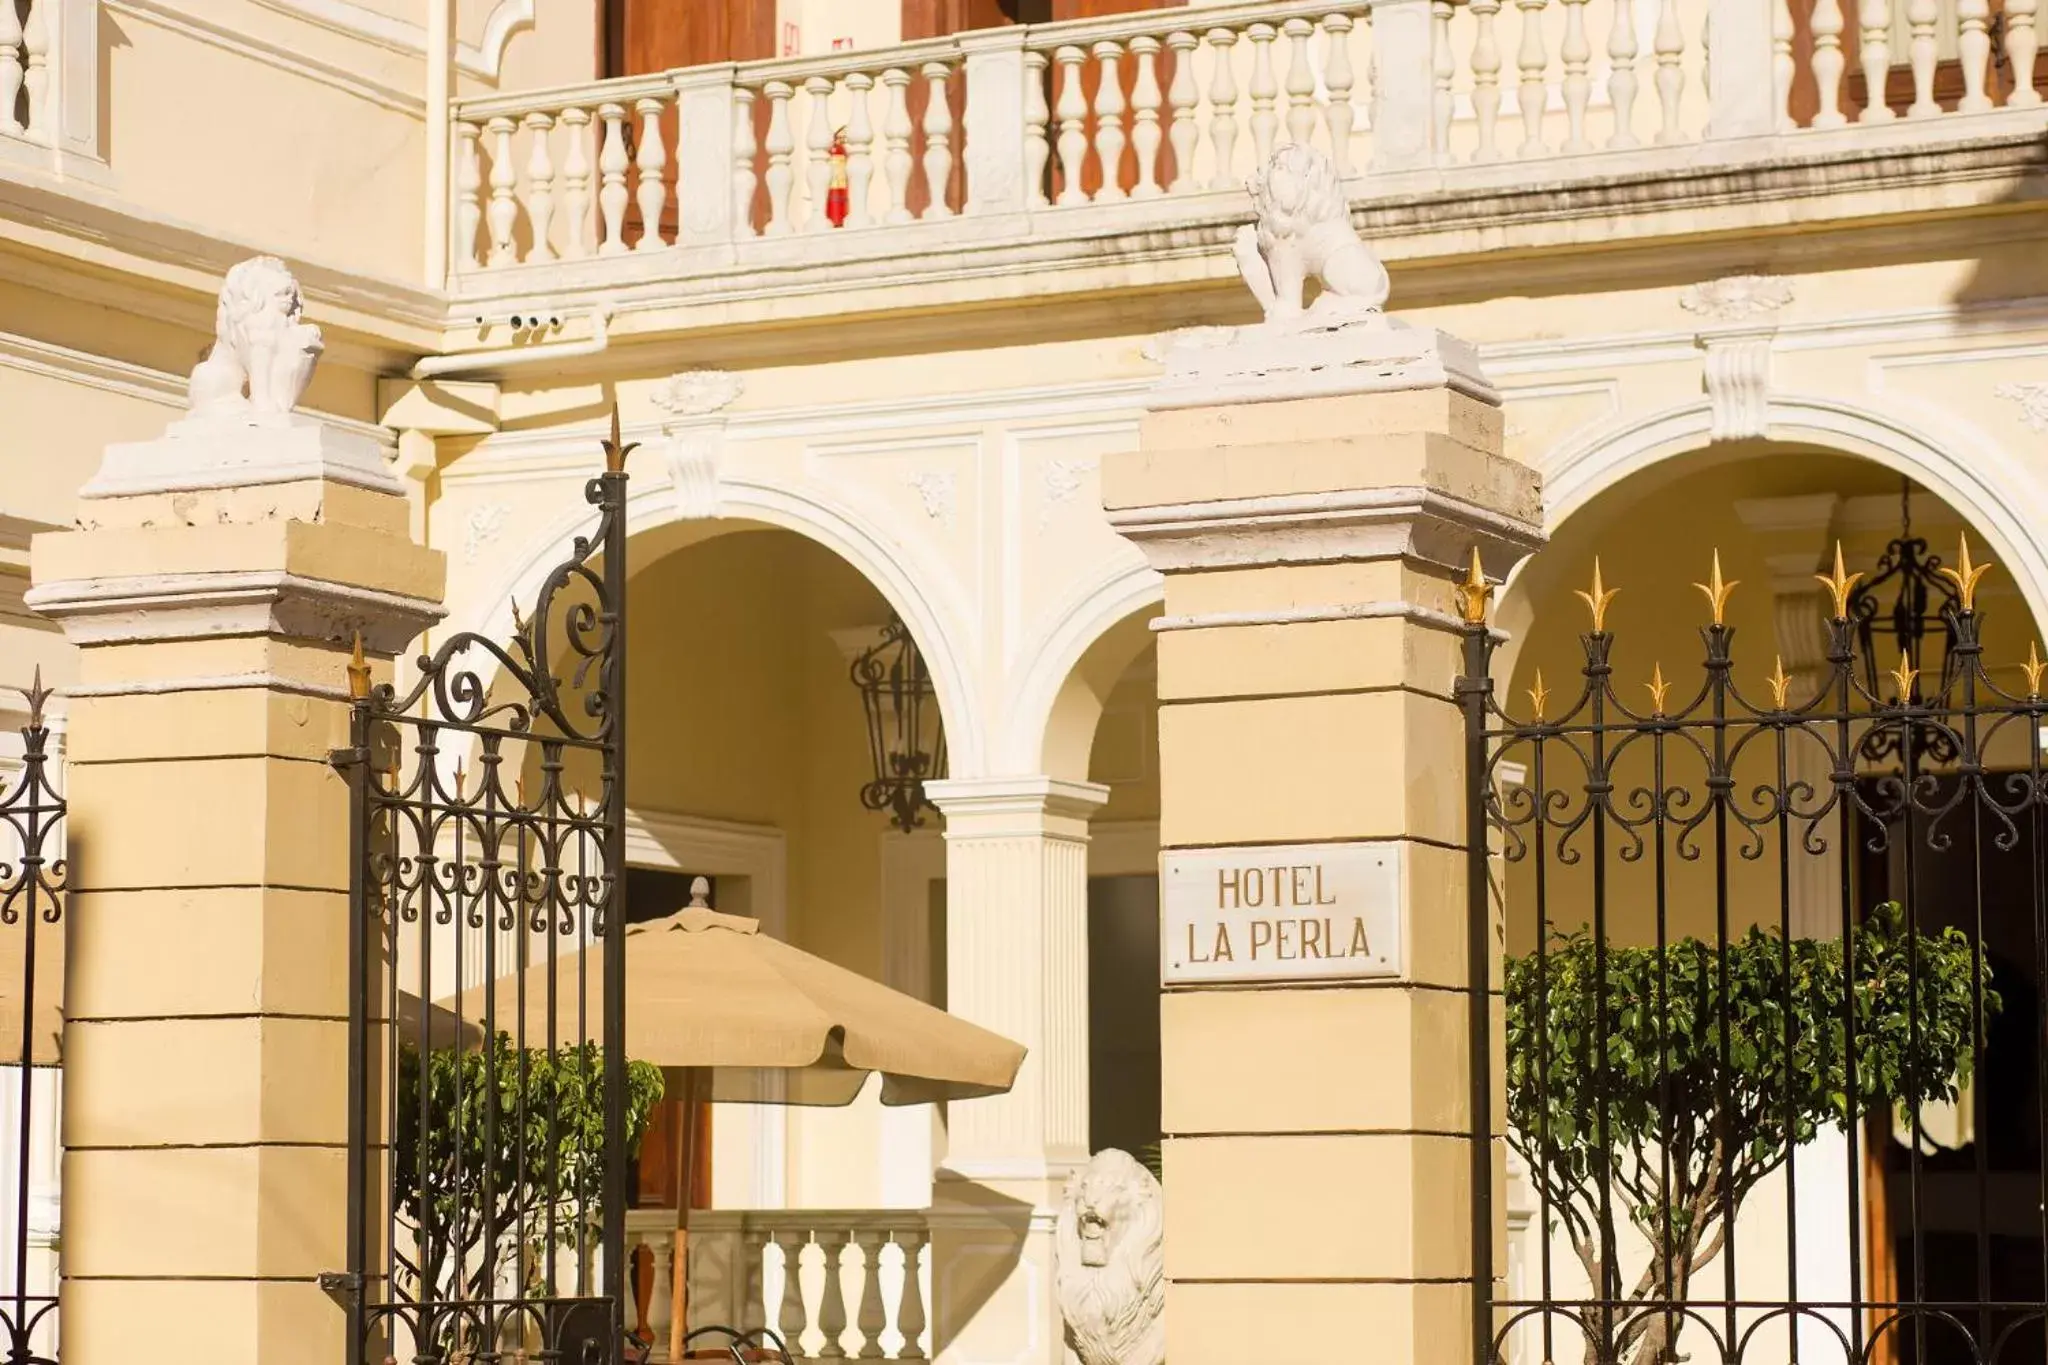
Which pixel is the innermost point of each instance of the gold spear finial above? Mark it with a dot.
(460, 778)
(358, 671)
(1904, 675)
(1718, 590)
(1840, 583)
(1658, 688)
(616, 450)
(1538, 696)
(1598, 598)
(1965, 575)
(1779, 682)
(2035, 668)
(1475, 593)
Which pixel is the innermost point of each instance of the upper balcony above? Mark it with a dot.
(1107, 154)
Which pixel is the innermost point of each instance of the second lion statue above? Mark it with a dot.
(1110, 1252)
(1304, 231)
(263, 349)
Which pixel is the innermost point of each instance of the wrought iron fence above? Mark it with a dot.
(1774, 1052)
(32, 903)
(492, 1107)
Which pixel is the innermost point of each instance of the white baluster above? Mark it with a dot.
(910, 1308)
(1337, 79)
(503, 214)
(1222, 110)
(780, 143)
(818, 149)
(1874, 18)
(860, 150)
(469, 191)
(651, 158)
(832, 1315)
(1486, 78)
(743, 175)
(1533, 60)
(1443, 74)
(35, 46)
(1782, 65)
(896, 161)
(1037, 150)
(1182, 95)
(1621, 76)
(938, 140)
(1576, 53)
(10, 69)
(1921, 18)
(540, 185)
(576, 183)
(871, 1318)
(2022, 45)
(1109, 120)
(1973, 48)
(1264, 90)
(1828, 63)
(789, 1317)
(1072, 107)
(1301, 82)
(1145, 101)
(1670, 48)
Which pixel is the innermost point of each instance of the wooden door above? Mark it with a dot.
(641, 36)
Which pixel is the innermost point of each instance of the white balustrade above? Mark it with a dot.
(831, 1284)
(1114, 113)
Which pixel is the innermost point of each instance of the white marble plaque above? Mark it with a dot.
(1302, 912)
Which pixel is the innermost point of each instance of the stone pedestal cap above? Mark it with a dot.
(1273, 363)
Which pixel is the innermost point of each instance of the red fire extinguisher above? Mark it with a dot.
(835, 193)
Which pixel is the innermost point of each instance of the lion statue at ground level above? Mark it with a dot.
(1110, 1251)
(263, 349)
(1304, 231)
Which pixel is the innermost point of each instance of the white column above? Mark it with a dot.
(1016, 962)
(440, 90)
(994, 119)
(706, 112)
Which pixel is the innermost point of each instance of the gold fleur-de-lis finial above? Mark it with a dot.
(1718, 590)
(1474, 593)
(616, 450)
(1598, 598)
(1965, 575)
(1840, 583)
(1904, 675)
(1779, 682)
(1658, 688)
(2035, 668)
(358, 671)
(1539, 696)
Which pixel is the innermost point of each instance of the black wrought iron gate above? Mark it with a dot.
(490, 1096)
(1775, 945)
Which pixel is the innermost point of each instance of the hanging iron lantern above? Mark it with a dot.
(1898, 611)
(906, 740)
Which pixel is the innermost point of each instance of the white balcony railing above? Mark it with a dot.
(1020, 123)
(861, 1284)
(49, 72)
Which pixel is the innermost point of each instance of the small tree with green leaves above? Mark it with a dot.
(1685, 1078)
(513, 1147)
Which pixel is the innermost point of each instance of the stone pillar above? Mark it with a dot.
(1016, 962)
(213, 587)
(1311, 498)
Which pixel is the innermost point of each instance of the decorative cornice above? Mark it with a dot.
(196, 606)
(1427, 617)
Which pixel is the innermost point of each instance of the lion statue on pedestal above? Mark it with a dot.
(1304, 231)
(263, 349)
(1110, 1254)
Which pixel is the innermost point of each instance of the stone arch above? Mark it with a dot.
(908, 588)
(1051, 714)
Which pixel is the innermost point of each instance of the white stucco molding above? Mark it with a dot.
(1975, 475)
(485, 58)
(941, 630)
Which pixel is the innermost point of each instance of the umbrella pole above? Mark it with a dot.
(686, 1182)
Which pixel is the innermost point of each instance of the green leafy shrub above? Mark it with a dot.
(1633, 1086)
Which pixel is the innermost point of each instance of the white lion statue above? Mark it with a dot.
(1303, 231)
(263, 350)
(1110, 1275)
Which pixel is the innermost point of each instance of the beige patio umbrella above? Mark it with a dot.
(733, 1015)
